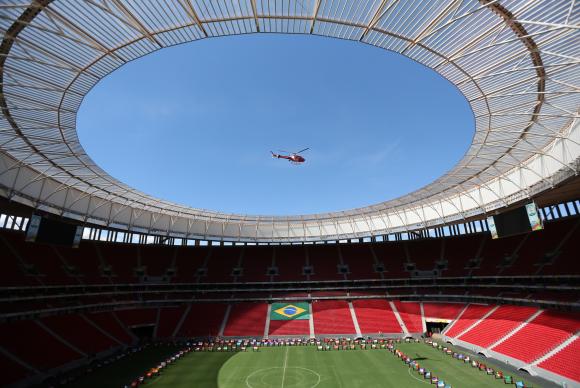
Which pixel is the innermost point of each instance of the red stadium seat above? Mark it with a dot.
(221, 264)
(79, 333)
(565, 362)
(290, 262)
(168, 320)
(12, 371)
(332, 317)
(109, 323)
(442, 310)
(539, 336)
(376, 316)
(203, 320)
(324, 260)
(472, 314)
(497, 325)
(24, 339)
(247, 319)
(291, 327)
(360, 261)
(256, 262)
(410, 313)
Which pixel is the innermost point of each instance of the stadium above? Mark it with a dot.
(472, 280)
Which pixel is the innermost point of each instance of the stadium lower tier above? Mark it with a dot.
(542, 340)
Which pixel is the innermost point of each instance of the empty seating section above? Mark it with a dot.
(393, 257)
(500, 323)
(203, 320)
(550, 252)
(565, 362)
(247, 319)
(360, 262)
(66, 338)
(424, 253)
(123, 260)
(472, 314)
(566, 260)
(137, 317)
(12, 273)
(376, 316)
(442, 310)
(64, 334)
(221, 264)
(35, 346)
(156, 259)
(256, 262)
(324, 261)
(85, 261)
(187, 262)
(290, 327)
(493, 255)
(111, 325)
(168, 319)
(541, 335)
(410, 313)
(45, 261)
(530, 253)
(459, 251)
(290, 262)
(79, 333)
(332, 317)
(12, 371)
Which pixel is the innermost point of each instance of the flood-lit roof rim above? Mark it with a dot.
(515, 62)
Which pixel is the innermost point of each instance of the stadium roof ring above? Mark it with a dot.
(516, 62)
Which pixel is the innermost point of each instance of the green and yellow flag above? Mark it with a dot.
(290, 311)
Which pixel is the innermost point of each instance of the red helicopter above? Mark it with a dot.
(293, 158)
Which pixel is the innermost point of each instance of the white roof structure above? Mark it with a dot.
(517, 62)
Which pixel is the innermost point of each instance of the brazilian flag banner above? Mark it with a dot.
(290, 311)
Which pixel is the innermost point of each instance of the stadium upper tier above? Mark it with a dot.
(516, 62)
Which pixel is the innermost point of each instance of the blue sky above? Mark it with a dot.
(195, 123)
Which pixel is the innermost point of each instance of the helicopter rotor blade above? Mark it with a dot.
(305, 149)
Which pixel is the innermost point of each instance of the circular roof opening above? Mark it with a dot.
(195, 123)
(505, 60)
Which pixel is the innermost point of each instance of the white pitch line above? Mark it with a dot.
(284, 368)
(416, 378)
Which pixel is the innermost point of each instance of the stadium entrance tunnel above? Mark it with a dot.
(143, 332)
(435, 327)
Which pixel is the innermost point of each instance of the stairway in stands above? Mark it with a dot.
(542, 340)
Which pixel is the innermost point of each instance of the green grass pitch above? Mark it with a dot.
(298, 367)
